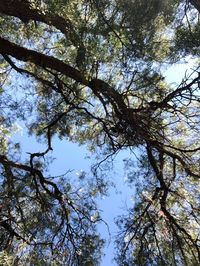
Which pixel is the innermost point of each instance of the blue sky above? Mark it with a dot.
(70, 156)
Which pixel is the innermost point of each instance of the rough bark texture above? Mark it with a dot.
(23, 11)
(98, 86)
(41, 60)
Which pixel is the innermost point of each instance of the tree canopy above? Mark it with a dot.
(92, 72)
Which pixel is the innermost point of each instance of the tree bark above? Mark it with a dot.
(24, 11)
(99, 87)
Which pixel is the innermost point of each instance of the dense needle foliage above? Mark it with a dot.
(92, 72)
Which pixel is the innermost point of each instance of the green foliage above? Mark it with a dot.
(91, 72)
(188, 40)
(150, 235)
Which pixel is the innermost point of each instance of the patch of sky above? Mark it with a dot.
(74, 158)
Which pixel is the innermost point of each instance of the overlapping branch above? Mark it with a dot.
(63, 234)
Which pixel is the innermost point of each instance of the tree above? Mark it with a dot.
(91, 71)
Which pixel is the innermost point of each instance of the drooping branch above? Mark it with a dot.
(52, 203)
(173, 95)
(98, 86)
(45, 183)
(42, 60)
(24, 11)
